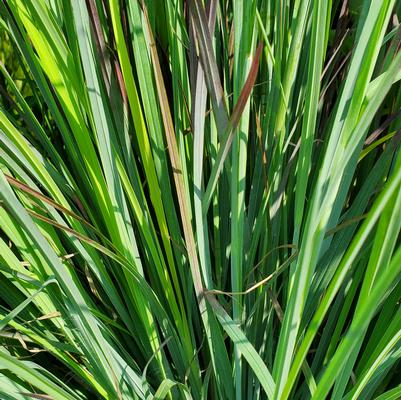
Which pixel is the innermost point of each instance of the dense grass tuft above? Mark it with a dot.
(200, 199)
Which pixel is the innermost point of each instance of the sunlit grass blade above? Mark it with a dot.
(200, 199)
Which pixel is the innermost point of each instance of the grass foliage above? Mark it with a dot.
(200, 199)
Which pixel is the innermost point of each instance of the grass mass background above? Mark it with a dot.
(200, 199)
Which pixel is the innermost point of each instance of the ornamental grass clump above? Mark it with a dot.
(200, 199)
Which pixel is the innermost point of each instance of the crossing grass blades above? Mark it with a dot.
(200, 199)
